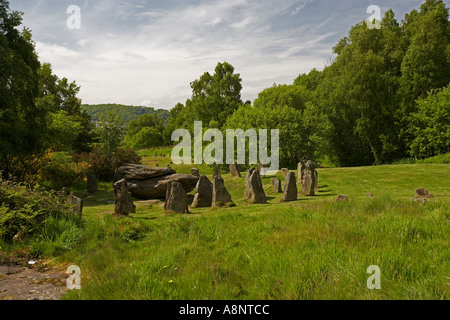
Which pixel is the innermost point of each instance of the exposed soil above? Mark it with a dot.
(36, 282)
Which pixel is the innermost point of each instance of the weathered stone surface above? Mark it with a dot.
(247, 185)
(156, 188)
(285, 173)
(91, 183)
(234, 170)
(423, 194)
(300, 172)
(261, 170)
(122, 199)
(316, 182)
(342, 198)
(309, 178)
(195, 172)
(176, 198)
(217, 171)
(76, 204)
(256, 194)
(203, 193)
(221, 196)
(277, 186)
(290, 188)
(131, 172)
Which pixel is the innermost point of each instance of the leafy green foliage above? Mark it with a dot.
(430, 125)
(24, 209)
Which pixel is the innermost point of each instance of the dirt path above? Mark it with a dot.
(31, 283)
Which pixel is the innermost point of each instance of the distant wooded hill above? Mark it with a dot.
(125, 113)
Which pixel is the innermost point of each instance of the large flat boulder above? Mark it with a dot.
(155, 188)
(137, 172)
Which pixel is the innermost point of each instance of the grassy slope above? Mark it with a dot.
(310, 249)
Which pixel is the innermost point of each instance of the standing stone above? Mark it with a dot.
(290, 188)
(234, 170)
(300, 172)
(247, 185)
(316, 182)
(285, 173)
(256, 191)
(217, 171)
(176, 198)
(277, 186)
(122, 199)
(76, 204)
(203, 193)
(309, 179)
(220, 196)
(261, 170)
(91, 183)
(195, 172)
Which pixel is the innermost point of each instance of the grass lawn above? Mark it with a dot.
(313, 248)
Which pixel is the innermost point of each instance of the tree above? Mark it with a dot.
(294, 96)
(216, 97)
(147, 137)
(302, 132)
(110, 134)
(430, 125)
(23, 124)
(310, 81)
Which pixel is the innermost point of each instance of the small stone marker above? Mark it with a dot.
(234, 170)
(277, 186)
(122, 199)
(256, 193)
(342, 198)
(76, 204)
(195, 172)
(300, 172)
(91, 183)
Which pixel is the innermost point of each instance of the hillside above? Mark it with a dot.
(125, 113)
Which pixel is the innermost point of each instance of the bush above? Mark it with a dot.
(104, 166)
(59, 171)
(24, 209)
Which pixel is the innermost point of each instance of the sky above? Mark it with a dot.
(148, 52)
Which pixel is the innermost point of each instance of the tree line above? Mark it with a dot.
(384, 97)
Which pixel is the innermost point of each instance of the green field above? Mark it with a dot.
(313, 248)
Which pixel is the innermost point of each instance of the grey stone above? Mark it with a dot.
(221, 197)
(203, 193)
(300, 172)
(122, 199)
(247, 185)
(91, 183)
(176, 198)
(285, 173)
(234, 170)
(309, 180)
(256, 194)
(76, 204)
(131, 172)
(277, 186)
(342, 198)
(195, 172)
(290, 188)
(156, 188)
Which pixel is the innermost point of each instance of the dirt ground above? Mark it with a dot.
(34, 282)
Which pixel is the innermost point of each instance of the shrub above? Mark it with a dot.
(24, 209)
(104, 166)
